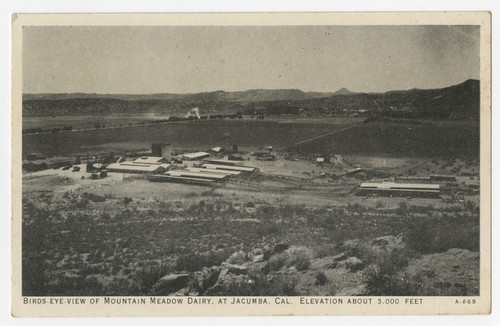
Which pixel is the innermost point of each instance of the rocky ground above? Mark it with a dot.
(81, 238)
(296, 270)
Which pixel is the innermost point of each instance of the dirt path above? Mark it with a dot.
(318, 137)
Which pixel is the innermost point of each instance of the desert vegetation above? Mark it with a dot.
(83, 244)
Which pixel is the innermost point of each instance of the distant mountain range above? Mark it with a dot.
(252, 95)
(454, 102)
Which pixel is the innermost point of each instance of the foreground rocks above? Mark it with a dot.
(454, 272)
(296, 270)
(170, 283)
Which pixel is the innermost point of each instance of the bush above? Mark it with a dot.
(300, 259)
(433, 235)
(324, 250)
(127, 200)
(402, 209)
(191, 194)
(266, 228)
(320, 278)
(381, 279)
(360, 250)
(211, 193)
(148, 276)
(276, 262)
(82, 203)
(195, 261)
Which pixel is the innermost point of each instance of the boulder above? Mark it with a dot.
(353, 263)
(233, 269)
(206, 278)
(451, 273)
(388, 243)
(280, 247)
(323, 263)
(170, 283)
(238, 257)
(339, 257)
(258, 258)
(228, 283)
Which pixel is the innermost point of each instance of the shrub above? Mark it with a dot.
(433, 235)
(360, 250)
(238, 257)
(324, 250)
(320, 278)
(402, 209)
(127, 200)
(380, 284)
(148, 276)
(93, 197)
(277, 261)
(195, 261)
(82, 203)
(382, 279)
(211, 193)
(300, 259)
(266, 228)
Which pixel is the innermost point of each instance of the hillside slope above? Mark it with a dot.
(455, 102)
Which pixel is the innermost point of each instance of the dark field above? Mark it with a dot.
(87, 121)
(419, 139)
(195, 135)
(428, 139)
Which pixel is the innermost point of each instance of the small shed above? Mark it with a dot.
(195, 156)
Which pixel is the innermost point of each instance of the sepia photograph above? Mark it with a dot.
(267, 164)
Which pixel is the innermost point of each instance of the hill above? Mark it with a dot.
(455, 102)
(343, 91)
(461, 101)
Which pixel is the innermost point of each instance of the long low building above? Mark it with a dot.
(242, 169)
(185, 180)
(428, 179)
(223, 162)
(138, 167)
(205, 170)
(195, 156)
(199, 175)
(399, 189)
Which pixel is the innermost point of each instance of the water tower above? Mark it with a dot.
(162, 150)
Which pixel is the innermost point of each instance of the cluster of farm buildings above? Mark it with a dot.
(213, 167)
(197, 168)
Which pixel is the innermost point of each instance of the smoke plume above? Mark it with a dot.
(195, 112)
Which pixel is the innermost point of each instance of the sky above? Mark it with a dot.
(187, 59)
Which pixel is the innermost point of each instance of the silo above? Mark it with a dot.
(166, 152)
(156, 149)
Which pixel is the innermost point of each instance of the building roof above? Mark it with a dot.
(195, 155)
(150, 160)
(229, 167)
(227, 172)
(225, 162)
(398, 186)
(134, 167)
(320, 160)
(184, 173)
(443, 176)
(158, 177)
(216, 149)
